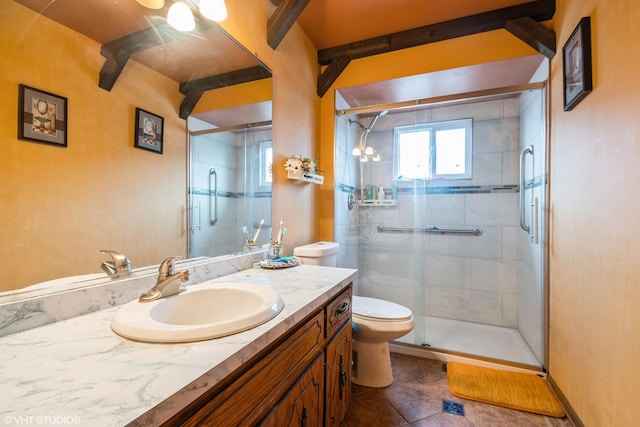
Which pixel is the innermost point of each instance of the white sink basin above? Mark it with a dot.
(203, 311)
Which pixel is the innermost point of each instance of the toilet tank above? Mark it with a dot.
(319, 253)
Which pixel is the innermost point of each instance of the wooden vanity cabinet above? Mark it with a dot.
(304, 380)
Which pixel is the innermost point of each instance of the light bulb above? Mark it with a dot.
(356, 152)
(152, 4)
(368, 151)
(364, 159)
(215, 10)
(376, 158)
(180, 17)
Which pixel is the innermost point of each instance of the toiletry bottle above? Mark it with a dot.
(394, 192)
(380, 193)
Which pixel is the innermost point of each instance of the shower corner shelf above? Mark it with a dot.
(377, 202)
(307, 177)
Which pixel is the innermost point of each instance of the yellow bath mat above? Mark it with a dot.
(515, 390)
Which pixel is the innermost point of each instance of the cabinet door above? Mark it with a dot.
(338, 386)
(302, 405)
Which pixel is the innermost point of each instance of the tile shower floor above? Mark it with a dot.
(417, 397)
(494, 342)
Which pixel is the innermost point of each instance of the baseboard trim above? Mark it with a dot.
(568, 409)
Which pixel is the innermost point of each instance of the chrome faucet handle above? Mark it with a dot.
(168, 283)
(167, 267)
(120, 264)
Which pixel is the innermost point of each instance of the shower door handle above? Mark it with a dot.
(195, 224)
(213, 206)
(533, 235)
(523, 155)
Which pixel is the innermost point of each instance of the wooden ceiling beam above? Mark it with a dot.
(519, 20)
(282, 19)
(194, 89)
(331, 73)
(541, 10)
(117, 52)
(534, 34)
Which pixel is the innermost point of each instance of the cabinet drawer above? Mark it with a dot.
(338, 312)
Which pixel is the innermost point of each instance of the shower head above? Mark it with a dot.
(375, 119)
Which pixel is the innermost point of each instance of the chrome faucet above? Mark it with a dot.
(119, 265)
(169, 282)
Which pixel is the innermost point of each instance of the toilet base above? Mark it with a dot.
(371, 364)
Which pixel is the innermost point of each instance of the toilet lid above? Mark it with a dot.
(379, 309)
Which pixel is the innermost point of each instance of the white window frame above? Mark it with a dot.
(266, 164)
(433, 129)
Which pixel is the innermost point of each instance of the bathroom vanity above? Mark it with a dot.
(292, 370)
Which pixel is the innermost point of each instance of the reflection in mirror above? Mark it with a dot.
(230, 187)
(63, 206)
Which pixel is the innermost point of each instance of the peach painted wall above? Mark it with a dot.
(594, 344)
(477, 49)
(60, 206)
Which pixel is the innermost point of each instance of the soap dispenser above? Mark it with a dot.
(380, 193)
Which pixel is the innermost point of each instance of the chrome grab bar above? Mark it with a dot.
(523, 155)
(430, 229)
(213, 207)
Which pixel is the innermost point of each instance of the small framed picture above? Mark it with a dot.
(149, 131)
(42, 116)
(576, 61)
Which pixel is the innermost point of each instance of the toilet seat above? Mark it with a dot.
(380, 310)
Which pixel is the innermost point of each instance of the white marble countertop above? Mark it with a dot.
(77, 371)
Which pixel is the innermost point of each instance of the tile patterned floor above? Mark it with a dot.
(416, 397)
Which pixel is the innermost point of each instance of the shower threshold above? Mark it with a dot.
(473, 339)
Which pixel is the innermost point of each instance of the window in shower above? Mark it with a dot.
(439, 150)
(266, 163)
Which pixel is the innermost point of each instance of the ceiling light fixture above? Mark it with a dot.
(152, 4)
(215, 10)
(180, 17)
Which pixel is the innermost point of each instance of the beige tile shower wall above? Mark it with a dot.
(467, 278)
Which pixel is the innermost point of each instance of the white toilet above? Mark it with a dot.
(319, 253)
(375, 322)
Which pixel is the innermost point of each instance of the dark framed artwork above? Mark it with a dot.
(149, 131)
(576, 61)
(42, 116)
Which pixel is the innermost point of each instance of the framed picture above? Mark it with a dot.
(148, 131)
(42, 116)
(576, 61)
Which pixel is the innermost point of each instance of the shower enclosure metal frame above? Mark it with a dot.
(532, 201)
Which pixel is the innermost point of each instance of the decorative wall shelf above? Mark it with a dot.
(377, 202)
(307, 177)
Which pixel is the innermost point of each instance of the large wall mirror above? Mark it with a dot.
(138, 187)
